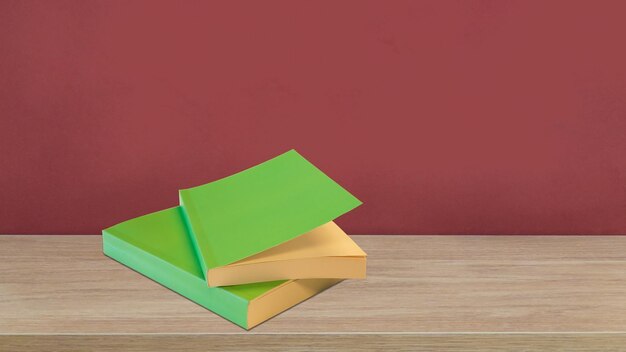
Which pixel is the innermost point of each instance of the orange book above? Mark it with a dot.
(324, 252)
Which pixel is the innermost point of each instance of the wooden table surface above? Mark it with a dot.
(470, 293)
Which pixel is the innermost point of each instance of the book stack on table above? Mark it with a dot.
(247, 246)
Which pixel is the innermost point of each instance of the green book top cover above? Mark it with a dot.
(261, 207)
(158, 246)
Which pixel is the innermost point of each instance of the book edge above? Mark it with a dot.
(221, 302)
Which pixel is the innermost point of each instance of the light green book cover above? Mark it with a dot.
(158, 246)
(261, 207)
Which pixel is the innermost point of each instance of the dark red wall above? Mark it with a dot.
(499, 117)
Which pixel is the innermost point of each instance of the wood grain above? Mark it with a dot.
(468, 291)
(312, 342)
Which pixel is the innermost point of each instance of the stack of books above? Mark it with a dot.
(247, 246)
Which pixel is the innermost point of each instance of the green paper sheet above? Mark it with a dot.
(261, 207)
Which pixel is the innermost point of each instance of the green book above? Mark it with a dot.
(265, 206)
(158, 246)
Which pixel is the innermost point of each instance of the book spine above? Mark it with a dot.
(194, 238)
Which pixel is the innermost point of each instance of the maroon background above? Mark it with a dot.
(443, 116)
